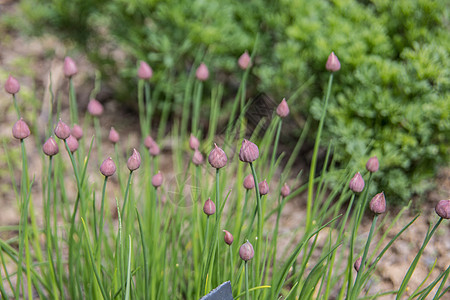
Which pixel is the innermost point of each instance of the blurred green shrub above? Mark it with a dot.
(391, 97)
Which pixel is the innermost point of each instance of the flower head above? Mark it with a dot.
(378, 203)
(357, 264)
(62, 130)
(263, 188)
(72, 143)
(249, 182)
(217, 158)
(285, 190)
(228, 237)
(70, 68)
(154, 150)
(12, 85)
(197, 158)
(246, 251)
(372, 164)
(202, 72)
(95, 108)
(157, 179)
(244, 60)
(209, 208)
(356, 183)
(134, 161)
(108, 167)
(249, 152)
(50, 147)
(113, 136)
(283, 109)
(193, 142)
(21, 130)
(77, 131)
(443, 209)
(144, 71)
(149, 142)
(333, 63)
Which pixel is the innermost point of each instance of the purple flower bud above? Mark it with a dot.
(202, 72)
(134, 162)
(443, 209)
(285, 190)
(244, 60)
(12, 85)
(70, 68)
(249, 182)
(356, 183)
(378, 203)
(357, 264)
(249, 152)
(372, 164)
(20, 130)
(193, 142)
(72, 143)
(333, 63)
(108, 167)
(263, 188)
(197, 158)
(77, 131)
(154, 150)
(228, 238)
(209, 208)
(246, 251)
(113, 136)
(50, 147)
(145, 71)
(149, 142)
(283, 109)
(217, 158)
(62, 130)
(157, 179)
(95, 108)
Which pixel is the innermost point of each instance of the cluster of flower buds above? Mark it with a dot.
(217, 158)
(134, 161)
(246, 251)
(21, 130)
(108, 167)
(357, 183)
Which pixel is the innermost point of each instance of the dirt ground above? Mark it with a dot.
(28, 60)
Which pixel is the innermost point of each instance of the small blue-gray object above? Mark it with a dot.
(222, 292)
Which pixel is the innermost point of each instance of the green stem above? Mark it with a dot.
(16, 106)
(72, 103)
(260, 223)
(247, 296)
(218, 213)
(277, 138)
(100, 228)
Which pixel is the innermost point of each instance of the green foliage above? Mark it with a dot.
(392, 93)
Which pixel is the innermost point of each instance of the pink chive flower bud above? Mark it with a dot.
(443, 209)
(72, 143)
(249, 182)
(217, 158)
(357, 264)
(263, 188)
(134, 162)
(20, 130)
(62, 130)
(77, 131)
(50, 147)
(149, 142)
(285, 190)
(144, 71)
(12, 85)
(378, 203)
(333, 63)
(70, 68)
(95, 108)
(228, 238)
(154, 150)
(157, 180)
(249, 152)
(246, 251)
(372, 164)
(283, 109)
(193, 142)
(113, 136)
(244, 60)
(202, 72)
(108, 167)
(209, 208)
(356, 183)
(197, 158)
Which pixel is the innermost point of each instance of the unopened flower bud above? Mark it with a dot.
(50, 147)
(145, 71)
(95, 108)
(21, 130)
(378, 203)
(62, 130)
(372, 164)
(249, 152)
(249, 182)
(77, 131)
(202, 72)
(197, 158)
(244, 61)
(246, 251)
(283, 109)
(228, 238)
(356, 183)
(113, 136)
(72, 143)
(12, 85)
(357, 264)
(443, 209)
(108, 167)
(263, 188)
(134, 161)
(333, 63)
(285, 190)
(157, 180)
(154, 150)
(149, 142)
(193, 142)
(70, 68)
(217, 158)
(209, 208)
